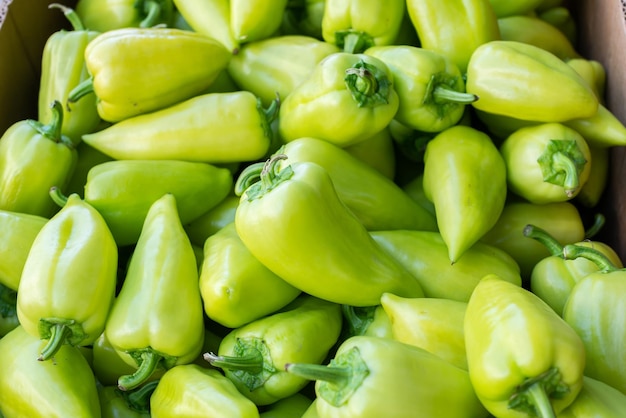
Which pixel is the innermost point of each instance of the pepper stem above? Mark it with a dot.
(368, 84)
(443, 94)
(139, 400)
(83, 88)
(153, 11)
(336, 375)
(148, 362)
(252, 362)
(562, 162)
(572, 251)
(598, 222)
(358, 318)
(57, 196)
(271, 175)
(353, 42)
(542, 402)
(533, 395)
(59, 335)
(248, 176)
(541, 235)
(70, 14)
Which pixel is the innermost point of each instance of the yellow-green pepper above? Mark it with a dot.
(365, 320)
(504, 8)
(596, 399)
(212, 221)
(561, 17)
(592, 191)
(255, 20)
(116, 403)
(105, 15)
(593, 72)
(210, 18)
(377, 151)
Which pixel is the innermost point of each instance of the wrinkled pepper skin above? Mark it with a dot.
(106, 15)
(454, 28)
(355, 25)
(157, 319)
(113, 58)
(361, 188)
(8, 310)
(297, 202)
(526, 82)
(430, 86)
(425, 255)
(18, 234)
(255, 20)
(523, 358)
(210, 18)
(123, 191)
(191, 391)
(236, 288)
(33, 158)
(69, 278)
(546, 163)
(212, 221)
(596, 399)
(377, 377)
(212, 128)
(276, 66)
(62, 68)
(254, 356)
(346, 99)
(31, 388)
(468, 192)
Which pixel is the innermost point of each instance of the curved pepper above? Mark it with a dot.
(346, 99)
(468, 192)
(62, 68)
(106, 15)
(235, 287)
(355, 25)
(123, 191)
(69, 278)
(596, 399)
(210, 18)
(212, 128)
(595, 310)
(297, 202)
(546, 163)
(255, 20)
(191, 391)
(377, 151)
(379, 377)
(8, 310)
(254, 356)
(31, 388)
(430, 87)
(116, 403)
(523, 358)
(33, 158)
(175, 65)
(526, 82)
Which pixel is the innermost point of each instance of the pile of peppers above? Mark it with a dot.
(311, 208)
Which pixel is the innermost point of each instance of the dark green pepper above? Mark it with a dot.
(292, 406)
(105, 15)
(304, 17)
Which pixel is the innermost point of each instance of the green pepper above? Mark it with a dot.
(69, 278)
(304, 17)
(62, 68)
(523, 358)
(200, 229)
(210, 18)
(592, 191)
(361, 188)
(504, 8)
(603, 129)
(415, 189)
(256, 20)
(526, 82)
(236, 288)
(560, 17)
(365, 320)
(108, 365)
(176, 65)
(116, 403)
(355, 25)
(596, 399)
(33, 158)
(546, 163)
(157, 319)
(106, 15)
(18, 233)
(297, 203)
(377, 151)
(290, 407)
(311, 411)
(433, 324)
(346, 99)
(191, 391)
(277, 65)
(253, 356)
(8, 310)
(123, 191)
(554, 277)
(593, 72)
(454, 28)
(430, 87)
(425, 255)
(468, 192)
(595, 310)
(379, 377)
(213, 128)
(31, 388)
(88, 157)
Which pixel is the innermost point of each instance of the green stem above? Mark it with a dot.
(563, 163)
(57, 196)
(139, 399)
(83, 88)
(53, 129)
(447, 95)
(572, 251)
(58, 337)
(368, 84)
(152, 9)
(336, 375)
(533, 395)
(248, 176)
(149, 360)
(598, 222)
(541, 235)
(353, 42)
(543, 407)
(252, 362)
(358, 323)
(70, 14)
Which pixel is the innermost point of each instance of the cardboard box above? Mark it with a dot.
(601, 23)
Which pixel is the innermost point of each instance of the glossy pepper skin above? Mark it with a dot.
(355, 25)
(33, 158)
(526, 82)
(31, 388)
(210, 18)
(254, 356)
(18, 233)
(113, 57)
(8, 310)
(192, 391)
(123, 191)
(454, 28)
(596, 399)
(522, 357)
(62, 68)
(255, 20)
(376, 377)
(106, 15)
(468, 192)
(297, 202)
(430, 86)
(236, 288)
(346, 99)
(69, 277)
(593, 72)
(157, 319)
(546, 163)
(213, 128)
(595, 309)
